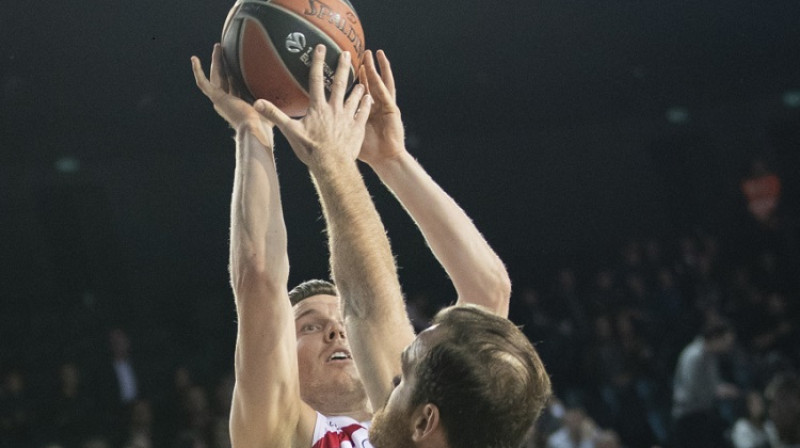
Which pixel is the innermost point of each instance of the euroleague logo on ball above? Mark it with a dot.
(295, 42)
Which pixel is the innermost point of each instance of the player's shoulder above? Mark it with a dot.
(340, 432)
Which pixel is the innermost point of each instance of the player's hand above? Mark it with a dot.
(332, 130)
(384, 138)
(238, 113)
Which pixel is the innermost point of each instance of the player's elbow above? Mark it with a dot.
(491, 291)
(496, 293)
(501, 292)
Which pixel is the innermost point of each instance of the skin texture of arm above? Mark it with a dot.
(328, 140)
(266, 410)
(476, 271)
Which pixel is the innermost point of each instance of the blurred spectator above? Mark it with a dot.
(638, 301)
(223, 397)
(127, 383)
(563, 305)
(72, 413)
(783, 393)
(779, 331)
(697, 387)
(669, 306)
(96, 442)
(607, 439)
(653, 259)
(747, 308)
(197, 429)
(566, 304)
(530, 313)
(632, 262)
(17, 423)
(118, 382)
(170, 413)
(762, 191)
(750, 431)
(140, 427)
(642, 422)
(548, 423)
(578, 431)
(707, 289)
(605, 358)
(604, 298)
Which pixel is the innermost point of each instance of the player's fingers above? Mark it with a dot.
(352, 102)
(316, 78)
(376, 84)
(217, 72)
(273, 114)
(340, 78)
(362, 77)
(362, 113)
(386, 73)
(227, 79)
(200, 76)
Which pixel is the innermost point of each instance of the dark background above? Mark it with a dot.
(556, 124)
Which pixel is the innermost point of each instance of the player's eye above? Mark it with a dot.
(308, 328)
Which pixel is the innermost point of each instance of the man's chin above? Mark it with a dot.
(388, 430)
(345, 386)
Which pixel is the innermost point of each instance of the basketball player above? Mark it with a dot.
(318, 325)
(276, 345)
(473, 379)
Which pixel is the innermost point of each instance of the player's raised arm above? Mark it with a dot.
(328, 140)
(478, 274)
(266, 409)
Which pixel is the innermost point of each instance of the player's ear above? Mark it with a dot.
(427, 424)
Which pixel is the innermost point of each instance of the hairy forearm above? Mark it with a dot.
(478, 274)
(258, 250)
(361, 258)
(366, 276)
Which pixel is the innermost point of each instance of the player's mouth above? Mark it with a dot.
(340, 356)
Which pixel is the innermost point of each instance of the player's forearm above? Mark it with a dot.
(366, 276)
(361, 258)
(478, 274)
(258, 252)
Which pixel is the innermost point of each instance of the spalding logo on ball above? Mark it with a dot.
(268, 44)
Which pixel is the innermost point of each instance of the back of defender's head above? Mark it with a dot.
(484, 376)
(311, 288)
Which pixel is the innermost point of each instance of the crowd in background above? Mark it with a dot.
(614, 336)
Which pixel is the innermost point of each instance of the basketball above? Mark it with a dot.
(267, 47)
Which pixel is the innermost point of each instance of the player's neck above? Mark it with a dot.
(359, 410)
(360, 415)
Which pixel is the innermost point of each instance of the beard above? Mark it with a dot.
(391, 429)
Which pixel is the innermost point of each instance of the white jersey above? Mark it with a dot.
(340, 432)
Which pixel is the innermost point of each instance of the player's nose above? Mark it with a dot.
(335, 331)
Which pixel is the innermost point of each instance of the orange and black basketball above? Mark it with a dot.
(268, 45)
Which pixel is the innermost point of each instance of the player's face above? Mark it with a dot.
(328, 375)
(392, 426)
